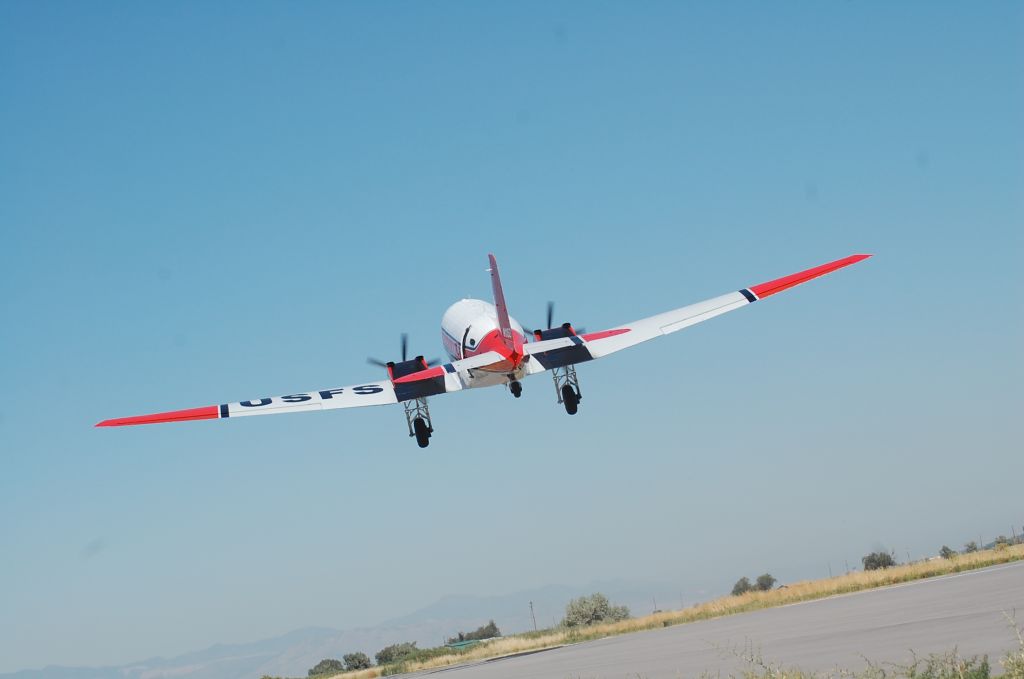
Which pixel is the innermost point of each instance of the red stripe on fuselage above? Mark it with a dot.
(493, 341)
(204, 413)
(779, 284)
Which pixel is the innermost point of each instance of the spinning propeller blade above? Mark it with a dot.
(405, 353)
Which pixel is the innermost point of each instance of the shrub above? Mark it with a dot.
(765, 582)
(877, 560)
(327, 666)
(950, 665)
(742, 586)
(589, 610)
(356, 661)
(946, 552)
(396, 652)
(971, 546)
(1013, 661)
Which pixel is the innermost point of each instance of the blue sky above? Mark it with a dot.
(209, 202)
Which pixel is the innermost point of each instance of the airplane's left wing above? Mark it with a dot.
(555, 353)
(368, 394)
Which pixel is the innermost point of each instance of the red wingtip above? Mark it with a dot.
(779, 284)
(204, 413)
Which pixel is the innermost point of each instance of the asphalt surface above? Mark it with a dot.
(965, 611)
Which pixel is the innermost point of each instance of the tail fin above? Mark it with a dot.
(513, 341)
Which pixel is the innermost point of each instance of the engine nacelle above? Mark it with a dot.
(565, 330)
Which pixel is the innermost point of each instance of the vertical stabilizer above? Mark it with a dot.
(512, 340)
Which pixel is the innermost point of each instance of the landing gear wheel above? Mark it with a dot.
(516, 387)
(422, 431)
(570, 399)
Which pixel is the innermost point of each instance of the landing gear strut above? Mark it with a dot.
(417, 416)
(567, 386)
(516, 387)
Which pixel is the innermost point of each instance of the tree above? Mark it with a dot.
(488, 631)
(971, 546)
(327, 666)
(765, 582)
(589, 610)
(946, 552)
(742, 586)
(1002, 542)
(877, 560)
(356, 661)
(396, 652)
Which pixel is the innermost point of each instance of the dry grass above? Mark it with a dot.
(728, 605)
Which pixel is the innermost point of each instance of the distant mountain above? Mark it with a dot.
(292, 654)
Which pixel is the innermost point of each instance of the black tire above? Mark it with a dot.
(516, 387)
(570, 400)
(419, 426)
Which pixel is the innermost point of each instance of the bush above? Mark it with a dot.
(950, 665)
(356, 661)
(765, 582)
(1013, 661)
(877, 560)
(946, 552)
(971, 546)
(396, 652)
(742, 586)
(327, 666)
(590, 610)
(488, 631)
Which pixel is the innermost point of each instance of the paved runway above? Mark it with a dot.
(963, 610)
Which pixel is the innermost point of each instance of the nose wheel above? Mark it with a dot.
(516, 387)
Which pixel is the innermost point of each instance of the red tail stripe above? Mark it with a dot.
(779, 284)
(204, 413)
(509, 337)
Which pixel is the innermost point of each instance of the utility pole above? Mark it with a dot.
(655, 602)
(830, 569)
(533, 617)
(847, 562)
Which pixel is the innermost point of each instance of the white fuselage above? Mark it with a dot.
(470, 327)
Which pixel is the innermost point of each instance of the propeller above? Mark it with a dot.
(551, 321)
(405, 354)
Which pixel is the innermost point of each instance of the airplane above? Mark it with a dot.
(487, 347)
